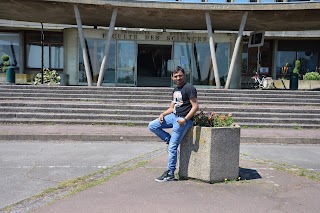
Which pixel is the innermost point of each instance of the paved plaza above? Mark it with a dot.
(28, 168)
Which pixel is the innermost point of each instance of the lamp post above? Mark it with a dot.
(42, 39)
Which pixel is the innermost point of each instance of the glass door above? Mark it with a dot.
(182, 54)
(126, 65)
(96, 48)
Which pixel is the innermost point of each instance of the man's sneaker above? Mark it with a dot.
(165, 177)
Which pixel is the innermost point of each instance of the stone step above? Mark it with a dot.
(105, 133)
(201, 93)
(85, 89)
(315, 103)
(135, 119)
(297, 121)
(7, 105)
(279, 125)
(138, 106)
(143, 96)
(144, 138)
(145, 123)
(155, 113)
(159, 91)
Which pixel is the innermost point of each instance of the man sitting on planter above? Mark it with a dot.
(179, 117)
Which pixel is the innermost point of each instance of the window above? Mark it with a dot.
(305, 51)
(250, 55)
(244, 63)
(52, 50)
(96, 48)
(203, 73)
(127, 55)
(10, 45)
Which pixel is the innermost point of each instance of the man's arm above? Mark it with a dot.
(192, 112)
(194, 109)
(167, 112)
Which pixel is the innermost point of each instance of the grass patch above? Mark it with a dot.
(83, 183)
(153, 169)
(297, 126)
(295, 170)
(130, 124)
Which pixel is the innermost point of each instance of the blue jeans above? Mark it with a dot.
(178, 132)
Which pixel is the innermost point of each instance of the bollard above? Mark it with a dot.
(10, 75)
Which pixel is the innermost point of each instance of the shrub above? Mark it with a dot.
(297, 67)
(49, 77)
(212, 120)
(311, 76)
(5, 62)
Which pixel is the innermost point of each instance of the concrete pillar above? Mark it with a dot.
(22, 48)
(274, 59)
(83, 46)
(70, 56)
(106, 51)
(236, 49)
(213, 51)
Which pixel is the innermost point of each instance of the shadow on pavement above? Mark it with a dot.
(248, 174)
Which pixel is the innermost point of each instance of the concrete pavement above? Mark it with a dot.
(301, 155)
(29, 167)
(265, 190)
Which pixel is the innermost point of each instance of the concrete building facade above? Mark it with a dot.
(152, 37)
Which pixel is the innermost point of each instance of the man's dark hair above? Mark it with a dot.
(177, 69)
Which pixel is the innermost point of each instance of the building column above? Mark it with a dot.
(22, 48)
(213, 51)
(274, 59)
(236, 49)
(106, 51)
(83, 46)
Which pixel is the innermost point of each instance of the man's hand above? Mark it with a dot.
(182, 121)
(161, 118)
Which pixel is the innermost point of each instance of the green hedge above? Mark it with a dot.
(312, 76)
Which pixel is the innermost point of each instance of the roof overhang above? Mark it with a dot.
(160, 15)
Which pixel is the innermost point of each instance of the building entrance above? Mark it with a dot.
(152, 65)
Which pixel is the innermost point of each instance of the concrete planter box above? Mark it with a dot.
(210, 154)
(20, 78)
(309, 84)
(303, 84)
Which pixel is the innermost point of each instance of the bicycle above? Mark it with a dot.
(263, 83)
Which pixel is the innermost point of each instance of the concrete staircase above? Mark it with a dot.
(135, 106)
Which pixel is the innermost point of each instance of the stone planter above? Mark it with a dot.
(302, 85)
(309, 84)
(210, 154)
(19, 79)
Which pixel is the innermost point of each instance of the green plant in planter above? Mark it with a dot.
(5, 62)
(50, 77)
(312, 76)
(297, 67)
(212, 120)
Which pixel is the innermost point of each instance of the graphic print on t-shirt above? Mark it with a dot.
(177, 99)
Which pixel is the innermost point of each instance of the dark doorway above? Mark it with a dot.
(153, 65)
